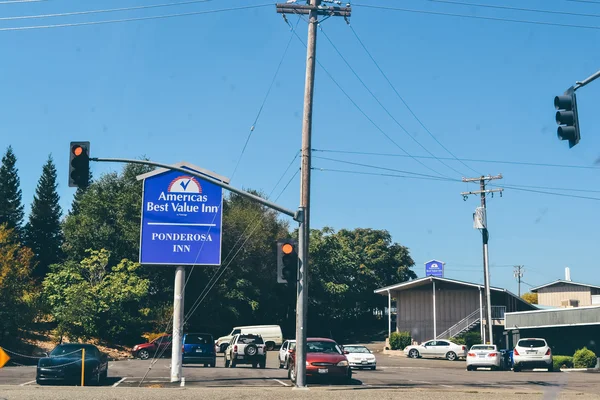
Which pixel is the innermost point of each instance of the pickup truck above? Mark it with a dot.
(246, 349)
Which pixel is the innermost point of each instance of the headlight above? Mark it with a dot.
(342, 363)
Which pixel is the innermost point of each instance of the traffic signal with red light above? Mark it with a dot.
(79, 164)
(567, 118)
(287, 261)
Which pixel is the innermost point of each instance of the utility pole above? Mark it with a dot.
(480, 222)
(519, 270)
(178, 315)
(313, 10)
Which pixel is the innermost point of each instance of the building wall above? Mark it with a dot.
(555, 294)
(415, 308)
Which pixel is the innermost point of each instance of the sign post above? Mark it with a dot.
(181, 225)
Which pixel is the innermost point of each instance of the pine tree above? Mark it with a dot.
(11, 208)
(43, 233)
(79, 195)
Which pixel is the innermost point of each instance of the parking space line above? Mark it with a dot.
(26, 383)
(448, 386)
(282, 383)
(182, 381)
(117, 383)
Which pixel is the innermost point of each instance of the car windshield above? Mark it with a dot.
(322, 347)
(201, 338)
(482, 347)
(356, 349)
(74, 351)
(531, 343)
(235, 332)
(250, 340)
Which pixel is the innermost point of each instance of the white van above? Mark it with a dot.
(271, 335)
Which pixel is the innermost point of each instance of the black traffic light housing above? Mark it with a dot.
(79, 164)
(567, 118)
(287, 261)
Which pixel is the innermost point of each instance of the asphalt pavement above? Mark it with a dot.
(431, 379)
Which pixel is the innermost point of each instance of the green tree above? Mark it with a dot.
(11, 208)
(531, 298)
(90, 299)
(346, 268)
(15, 283)
(77, 198)
(43, 233)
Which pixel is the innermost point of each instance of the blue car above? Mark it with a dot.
(199, 348)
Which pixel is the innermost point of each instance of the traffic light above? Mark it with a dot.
(287, 261)
(566, 117)
(79, 164)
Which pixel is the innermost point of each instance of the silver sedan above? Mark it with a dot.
(484, 356)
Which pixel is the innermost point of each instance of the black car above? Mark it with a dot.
(63, 364)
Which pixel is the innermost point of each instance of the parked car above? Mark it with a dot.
(160, 345)
(271, 334)
(63, 364)
(484, 355)
(284, 353)
(359, 356)
(532, 353)
(246, 349)
(199, 348)
(324, 359)
(437, 349)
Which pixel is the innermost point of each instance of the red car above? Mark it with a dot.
(324, 359)
(161, 346)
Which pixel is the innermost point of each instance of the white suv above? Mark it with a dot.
(532, 353)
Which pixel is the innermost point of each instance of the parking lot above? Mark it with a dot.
(392, 373)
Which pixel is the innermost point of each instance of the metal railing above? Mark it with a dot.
(498, 312)
(464, 324)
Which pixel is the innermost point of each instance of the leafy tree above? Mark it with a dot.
(15, 283)
(90, 299)
(75, 205)
(345, 269)
(43, 232)
(11, 208)
(531, 298)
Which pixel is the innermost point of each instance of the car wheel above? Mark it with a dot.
(263, 364)
(413, 353)
(144, 354)
(105, 375)
(226, 362)
(451, 356)
(348, 378)
(292, 374)
(251, 350)
(373, 368)
(551, 368)
(39, 382)
(469, 368)
(270, 346)
(516, 368)
(232, 365)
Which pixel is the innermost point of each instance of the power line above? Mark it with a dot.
(585, 1)
(377, 174)
(535, 10)
(263, 102)
(403, 101)
(20, 1)
(379, 102)
(366, 153)
(551, 193)
(364, 113)
(477, 17)
(114, 21)
(108, 10)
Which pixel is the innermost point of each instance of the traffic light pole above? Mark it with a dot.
(580, 84)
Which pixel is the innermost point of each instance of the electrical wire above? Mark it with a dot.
(404, 102)
(477, 17)
(376, 174)
(108, 10)
(263, 102)
(114, 21)
(499, 7)
(551, 193)
(20, 1)
(366, 153)
(380, 103)
(364, 113)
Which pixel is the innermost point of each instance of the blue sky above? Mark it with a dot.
(189, 88)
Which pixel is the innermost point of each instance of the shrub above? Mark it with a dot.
(562, 362)
(399, 340)
(468, 339)
(584, 358)
(457, 340)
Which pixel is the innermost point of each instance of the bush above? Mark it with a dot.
(562, 362)
(584, 358)
(468, 339)
(399, 340)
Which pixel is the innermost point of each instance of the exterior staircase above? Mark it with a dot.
(464, 325)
